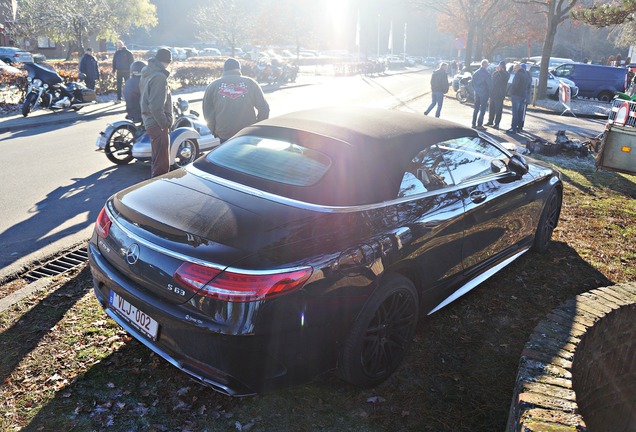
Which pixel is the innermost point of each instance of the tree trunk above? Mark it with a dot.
(545, 57)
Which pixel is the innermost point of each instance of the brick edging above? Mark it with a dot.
(543, 397)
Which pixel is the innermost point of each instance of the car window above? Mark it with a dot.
(273, 160)
(564, 71)
(426, 172)
(472, 158)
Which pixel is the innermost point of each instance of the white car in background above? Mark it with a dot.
(552, 88)
(11, 55)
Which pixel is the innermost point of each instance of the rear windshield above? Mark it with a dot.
(271, 159)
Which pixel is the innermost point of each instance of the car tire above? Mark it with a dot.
(187, 152)
(119, 145)
(548, 221)
(605, 96)
(381, 334)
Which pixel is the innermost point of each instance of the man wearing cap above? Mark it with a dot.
(229, 102)
(89, 67)
(499, 86)
(156, 109)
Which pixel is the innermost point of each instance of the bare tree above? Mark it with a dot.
(555, 12)
(230, 21)
(288, 22)
(76, 20)
(469, 18)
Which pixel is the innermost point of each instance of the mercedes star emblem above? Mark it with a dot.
(132, 254)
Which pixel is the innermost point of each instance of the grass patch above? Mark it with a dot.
(67, 366)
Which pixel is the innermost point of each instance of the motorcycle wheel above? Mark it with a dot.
(118, 148)
(186, 153)
(461, 96)
(28, 104)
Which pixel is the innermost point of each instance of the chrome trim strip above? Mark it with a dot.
(193, 260)
(330, 209)
(479, 279)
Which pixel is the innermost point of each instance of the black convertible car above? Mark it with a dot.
(315, 240)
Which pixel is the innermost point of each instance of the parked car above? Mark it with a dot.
(209, 52)
(594, 81)
(315, 240)
(552, 85)
(553, 62)
(11, 55)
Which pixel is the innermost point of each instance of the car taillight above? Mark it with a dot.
(234, 286)
(102, 225)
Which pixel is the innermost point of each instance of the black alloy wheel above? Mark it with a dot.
(381, 334)
(548, 221)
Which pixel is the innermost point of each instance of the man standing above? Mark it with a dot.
(500, 79)
(122, 60)
(89, 67)
(517, 97)
(482, 84)
(439, 87)
(229, 102)
(156, 109)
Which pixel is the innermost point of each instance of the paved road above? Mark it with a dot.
(55, 182)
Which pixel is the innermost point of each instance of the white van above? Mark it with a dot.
(554, 61)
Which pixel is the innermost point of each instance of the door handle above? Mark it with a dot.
(477, 196)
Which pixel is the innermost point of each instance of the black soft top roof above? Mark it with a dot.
(370, 149)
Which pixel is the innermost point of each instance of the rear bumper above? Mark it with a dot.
(234, 365)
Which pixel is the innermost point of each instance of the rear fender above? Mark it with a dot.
(110, 128)
(179, 135)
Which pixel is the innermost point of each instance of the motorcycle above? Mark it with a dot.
(275, 71)
(125, 140)
(48, 90)
(465, 93)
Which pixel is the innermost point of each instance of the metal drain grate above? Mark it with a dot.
(59, 265)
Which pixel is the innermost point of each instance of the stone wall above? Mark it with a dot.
(577, 371)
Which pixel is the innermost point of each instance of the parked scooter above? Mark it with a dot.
(48, 90)
(125, 140)
(465, 93)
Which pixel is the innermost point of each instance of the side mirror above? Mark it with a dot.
(518, 164)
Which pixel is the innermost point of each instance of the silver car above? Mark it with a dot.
(552, 88)
(11, 55)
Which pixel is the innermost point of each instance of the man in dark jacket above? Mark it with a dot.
(122, 60)
(439, 87)
(482, 85)
(229, 102)
(518, 91)
(132, 92)
(89, 67)
(500, 79)
(156, 109)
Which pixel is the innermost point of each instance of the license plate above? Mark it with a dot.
(101, 142)
(139, 319)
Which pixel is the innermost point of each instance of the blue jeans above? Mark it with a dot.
(438, 99)
(481, 104)
(517, 111)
